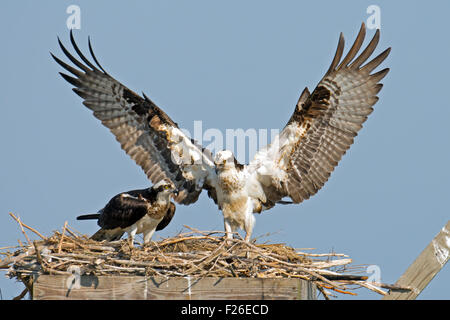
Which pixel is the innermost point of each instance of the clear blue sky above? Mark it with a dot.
(233, 64)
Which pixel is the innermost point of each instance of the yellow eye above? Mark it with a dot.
(166, 187)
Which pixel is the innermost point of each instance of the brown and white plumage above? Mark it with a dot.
(143, 130)
(296, 164)
(137, 211)
(323, 125)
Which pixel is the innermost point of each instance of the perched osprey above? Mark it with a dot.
(296, 164)
(137, 211)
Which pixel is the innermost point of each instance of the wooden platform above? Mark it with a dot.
(153, 288)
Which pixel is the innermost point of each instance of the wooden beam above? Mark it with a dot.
(425, 267)
(56, 287)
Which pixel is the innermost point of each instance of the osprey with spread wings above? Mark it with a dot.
(296, 164)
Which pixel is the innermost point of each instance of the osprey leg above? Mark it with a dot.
(228, 229)
(249, 224)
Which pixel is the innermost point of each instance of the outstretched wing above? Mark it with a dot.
(144, 131)
(324, 123)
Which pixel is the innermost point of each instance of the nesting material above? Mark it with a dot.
(192, 253)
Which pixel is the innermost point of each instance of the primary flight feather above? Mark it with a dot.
(296, 164)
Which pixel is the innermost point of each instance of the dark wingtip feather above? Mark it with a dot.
(355, 47)
(145, 97)
(74, 81)
(338, 54)
(66, 66)
(53, 56)
(377, 88)
(367, 51)
(80, 54)
(378, 76)
(80, 93)
(93, 55)
(284, 202)
(375, 62)
(72, 58)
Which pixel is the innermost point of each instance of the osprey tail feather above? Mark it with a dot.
(89, 216)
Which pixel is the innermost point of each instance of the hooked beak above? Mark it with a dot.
(220, 164)
(176, 192)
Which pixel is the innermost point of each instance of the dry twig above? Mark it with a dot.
(194, 253)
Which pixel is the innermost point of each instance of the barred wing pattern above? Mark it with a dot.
(144, 131)
(323, 125)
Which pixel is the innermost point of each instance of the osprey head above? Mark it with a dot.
(224, 160)
(165, 186)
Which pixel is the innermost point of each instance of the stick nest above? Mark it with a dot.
(193, 253)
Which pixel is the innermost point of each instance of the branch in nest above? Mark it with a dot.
(28, 227)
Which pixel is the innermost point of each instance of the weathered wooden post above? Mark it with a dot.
(424, 268)
(154, 288)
